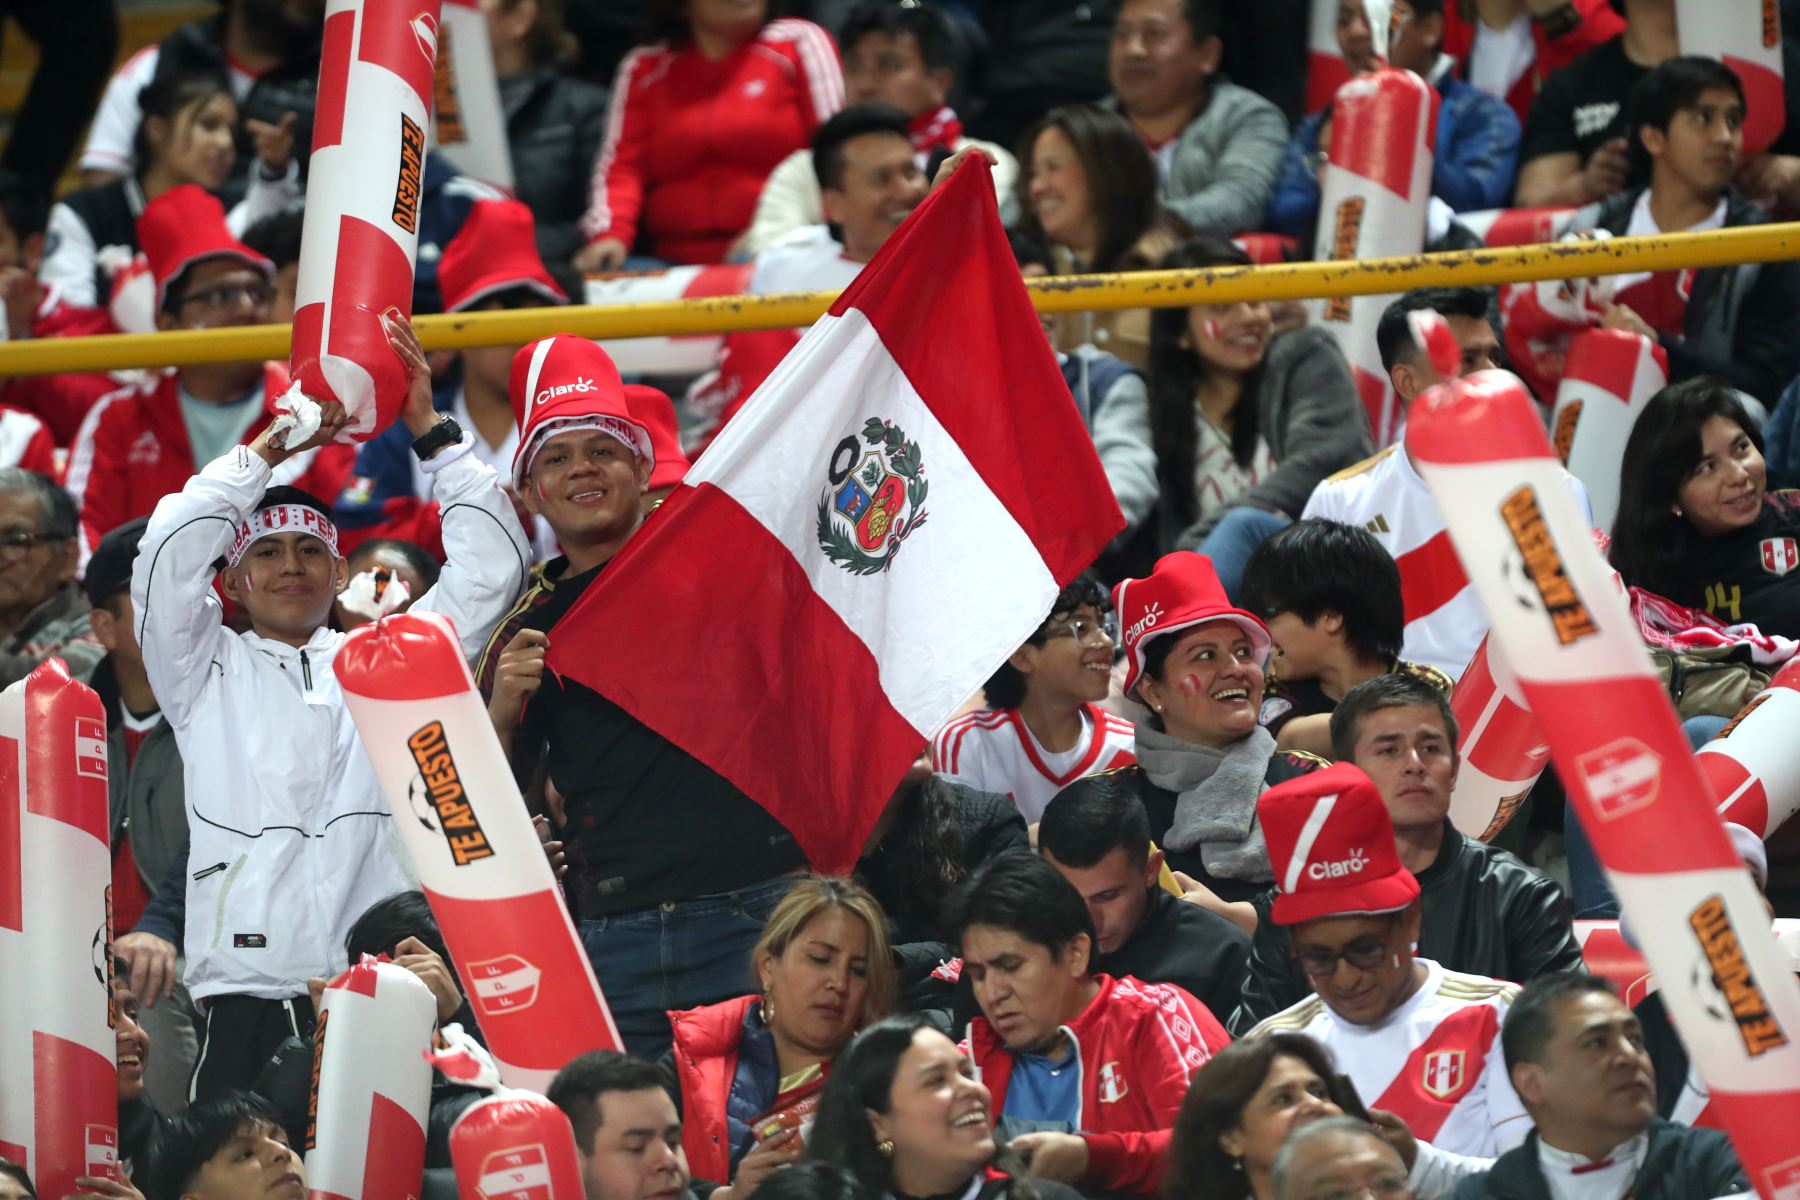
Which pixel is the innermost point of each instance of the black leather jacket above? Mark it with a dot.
(554, 126)
(1485, 913)
(1681, 1164)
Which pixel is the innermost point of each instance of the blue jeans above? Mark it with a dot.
(679, 954)
(1593, 896)
(1239, 532)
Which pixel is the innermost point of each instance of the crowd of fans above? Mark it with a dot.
(1207, 799)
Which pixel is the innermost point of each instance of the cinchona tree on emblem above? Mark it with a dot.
(874, 498)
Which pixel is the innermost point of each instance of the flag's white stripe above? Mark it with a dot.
(965, 590)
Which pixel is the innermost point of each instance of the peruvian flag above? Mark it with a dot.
(884, 522)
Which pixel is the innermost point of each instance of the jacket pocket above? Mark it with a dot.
(232, 871)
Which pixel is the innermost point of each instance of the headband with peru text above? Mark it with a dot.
(283, 518)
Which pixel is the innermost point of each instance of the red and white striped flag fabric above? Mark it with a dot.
(884, 522)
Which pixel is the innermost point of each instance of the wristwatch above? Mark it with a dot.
(1558, 21)
(445, 433)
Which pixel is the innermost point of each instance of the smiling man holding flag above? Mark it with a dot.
(737, 684)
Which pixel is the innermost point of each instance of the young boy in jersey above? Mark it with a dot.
(1415, 1039)
(1043, 728)
(1331, 597)
(290, 836)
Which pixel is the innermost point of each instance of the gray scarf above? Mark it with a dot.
(1215, 801)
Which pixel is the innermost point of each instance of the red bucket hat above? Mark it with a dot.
(186, 225)
(494, 251)
(656, 412)
(1331, 843)
(561, 383)
(1182, 592)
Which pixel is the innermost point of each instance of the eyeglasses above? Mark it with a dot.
(1364, 955)
(1084, 631)
(229, 295)
(18, 543)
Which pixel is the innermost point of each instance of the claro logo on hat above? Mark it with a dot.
(1340, 867)
(580, 385)
(1143, 624)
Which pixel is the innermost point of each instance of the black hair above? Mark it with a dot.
(861, 1081)
(578, 1087)
(23, 204)
(10, 1168)
(666, 21)
(1176, 370)
(1393, 336)
(1652, 548)
(277, 237)
(1317, 566)
(57, 515)
(929, 27)
(1020, 892)
(1121, 177)
(926, 847)
(854, 121)
(1531, 1020)
(167, 97)
(810, 1181)
(1426, 8)
(1666, 89)
(416, 556)
(1006, 686)
(187, 1140)
(1091, 818)
(1204, 19)
(288, 494)
(1395, 690)
(1029, 251)
(390, 921)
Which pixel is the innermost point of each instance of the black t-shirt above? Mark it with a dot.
(647, 821)
(1752, 575)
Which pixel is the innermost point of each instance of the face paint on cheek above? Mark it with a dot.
(1209, 329)
(540, 491)
(1189, 686)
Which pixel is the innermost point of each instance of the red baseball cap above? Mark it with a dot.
(186, 225)
(1331, 843)
(656, 412)
(562, 383)
(1182, 592)
(495, 251)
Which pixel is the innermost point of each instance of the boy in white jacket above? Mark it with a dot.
(291, 837)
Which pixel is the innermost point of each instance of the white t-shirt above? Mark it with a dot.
(807, 260)
(991, 750)
(1435, 1061)
(1445, 621)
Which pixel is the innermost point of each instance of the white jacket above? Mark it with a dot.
(291, 838)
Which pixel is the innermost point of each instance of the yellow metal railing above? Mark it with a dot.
(1071, 293)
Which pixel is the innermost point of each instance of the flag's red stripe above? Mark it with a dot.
(794, 713)
(976, 355)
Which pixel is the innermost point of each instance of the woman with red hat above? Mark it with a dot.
(1196, 662)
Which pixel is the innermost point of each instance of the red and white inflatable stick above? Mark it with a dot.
(1562, 624)
(1608, 377)
(1605, 952)
(1326, 70)
(1372, 205)
(1746, 36)
(1754, 763)
(515, 1145)
(362, 205)
(371, 1096)
(1516, 226)
(473, 847)
(59, 1081)
(1503, 749)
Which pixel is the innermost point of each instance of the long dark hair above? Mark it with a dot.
(1121, 178)
(929, 848)
(1651, 546)
(1199, 1168)
(1175, 374)
(862, 1078)
(667, 21)
(167, 97)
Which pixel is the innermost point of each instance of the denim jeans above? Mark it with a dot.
(1239, 532)
(1593, 896)
(676, 955)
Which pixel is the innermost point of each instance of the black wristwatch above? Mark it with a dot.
(1558, 21)
(445, 433)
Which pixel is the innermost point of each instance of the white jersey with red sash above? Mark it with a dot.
(991, 750)
(1435, 1062)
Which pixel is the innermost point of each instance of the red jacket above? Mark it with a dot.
(61, 401)
(689, 141)
(133, 450)
(706, 1054)
(1598, 24)
(1139, 1044)
(26, 442)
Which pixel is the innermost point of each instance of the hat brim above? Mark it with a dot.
(242, 253)
(493, 285)
(1257, 631)
(1373, 898)
(530, 444)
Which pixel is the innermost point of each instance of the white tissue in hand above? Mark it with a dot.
(374, 593)
(298, 420)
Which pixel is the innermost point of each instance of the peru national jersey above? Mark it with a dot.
(1435, 1062)
(991, 750)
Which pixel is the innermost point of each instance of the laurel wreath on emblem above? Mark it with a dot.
(903, 458)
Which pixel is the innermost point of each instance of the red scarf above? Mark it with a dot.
(930, 130)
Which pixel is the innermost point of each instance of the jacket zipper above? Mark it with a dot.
(305, 670)
(212, 870)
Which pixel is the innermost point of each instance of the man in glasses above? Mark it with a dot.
(1043, 728)
(1416, 1040)
(143, 441)
(42, 611)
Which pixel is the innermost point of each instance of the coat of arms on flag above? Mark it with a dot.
(875, 500)
(1780, 555)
